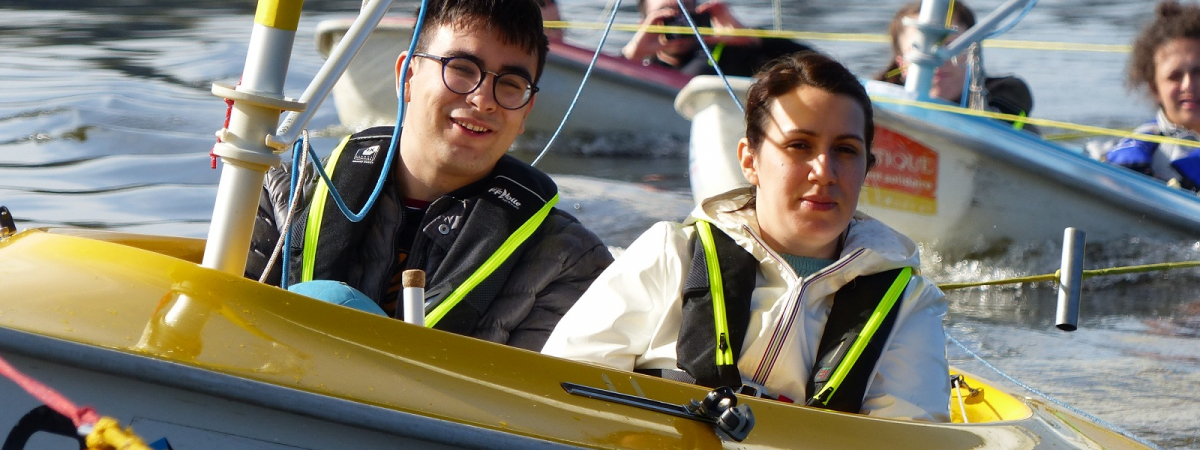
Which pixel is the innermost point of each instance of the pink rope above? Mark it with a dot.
(80, 416)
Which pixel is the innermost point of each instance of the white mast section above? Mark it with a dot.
(253, 117)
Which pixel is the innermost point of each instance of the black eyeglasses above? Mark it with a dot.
(463, 76)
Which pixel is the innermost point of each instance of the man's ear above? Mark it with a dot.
(404, 79)
(528, 108)
(747, 160)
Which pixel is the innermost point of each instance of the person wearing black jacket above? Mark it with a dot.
(501, 263)
(736, 55)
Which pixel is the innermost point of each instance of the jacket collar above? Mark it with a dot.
(1170, 129)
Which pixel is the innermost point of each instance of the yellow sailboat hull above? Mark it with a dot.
(133, 326)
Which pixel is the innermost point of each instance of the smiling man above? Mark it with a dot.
(502, 263)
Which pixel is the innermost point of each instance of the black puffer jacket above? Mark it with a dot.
(553, 268)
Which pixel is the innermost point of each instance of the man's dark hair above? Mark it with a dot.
(803, 69)
(1172, 21)
(518, 22)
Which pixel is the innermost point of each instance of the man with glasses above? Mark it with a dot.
(501, 263)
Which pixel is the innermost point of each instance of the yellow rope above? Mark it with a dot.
(1086, 274)
(950, 14)
(838, 37)
(107, 434)
(1039, 122)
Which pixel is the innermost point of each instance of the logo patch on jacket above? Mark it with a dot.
(366, 155)
(504, 196)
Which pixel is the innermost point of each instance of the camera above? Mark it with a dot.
(703, 20)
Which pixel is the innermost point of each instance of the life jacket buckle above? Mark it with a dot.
(752, 389)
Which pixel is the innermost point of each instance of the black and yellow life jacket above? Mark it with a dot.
(716, 315)
(480, 235)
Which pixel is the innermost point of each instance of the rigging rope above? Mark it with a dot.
(300, 152)
(1046, 396)
(1144, 268)
(1036, 121)
(582, 83)
(1008, 26)
(607, 28)
(842, 37)
(395, 142)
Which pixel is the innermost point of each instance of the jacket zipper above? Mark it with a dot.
(788, 319)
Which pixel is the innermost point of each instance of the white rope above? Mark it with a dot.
(962, 408)
(287, 222)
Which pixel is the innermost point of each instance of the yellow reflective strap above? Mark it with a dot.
(1020, 124)
(724, 353)
(279, 14)
(493, 262)
(316, 212)
(716, 53)
(864, 337)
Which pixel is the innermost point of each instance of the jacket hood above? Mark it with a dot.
(881, 247)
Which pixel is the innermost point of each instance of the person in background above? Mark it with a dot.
(501, 263)
(1006, 94)
(1166, 61)
(550, 13)
(735, 55)
(798, 269)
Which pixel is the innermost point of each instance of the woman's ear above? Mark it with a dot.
(748, 162)
(405, 78)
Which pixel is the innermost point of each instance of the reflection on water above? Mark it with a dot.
(107, 121)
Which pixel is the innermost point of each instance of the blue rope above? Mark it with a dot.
(611, 18)
(712, 61)
(287, 234)
(1013, 22)
(1052, 399)
(392, 149)
(387, 162)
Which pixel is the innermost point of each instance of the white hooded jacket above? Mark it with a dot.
(630, 317)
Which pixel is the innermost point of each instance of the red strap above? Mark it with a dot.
(80, 416)
(228, 112)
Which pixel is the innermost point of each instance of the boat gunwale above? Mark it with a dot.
(1055, 163)
(258, 393)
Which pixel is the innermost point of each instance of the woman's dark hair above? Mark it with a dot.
(787, 73)
(516, 21)
(959, 14)
(1172, 21)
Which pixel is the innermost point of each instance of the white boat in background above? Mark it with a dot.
(956, 183)
(366, 93)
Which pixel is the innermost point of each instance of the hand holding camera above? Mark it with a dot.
(703, 20)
